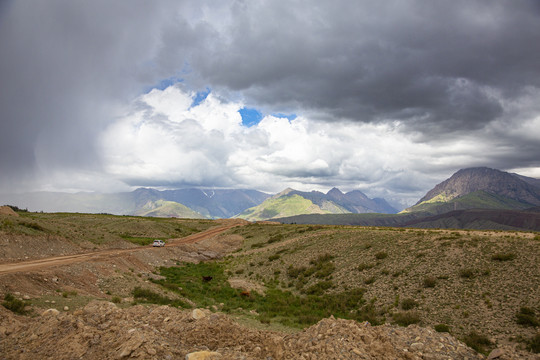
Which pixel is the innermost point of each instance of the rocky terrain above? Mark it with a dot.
(85, 309)
(101, 330)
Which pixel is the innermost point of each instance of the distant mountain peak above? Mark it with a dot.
(286, 191)
(334, 191)
(507, 190)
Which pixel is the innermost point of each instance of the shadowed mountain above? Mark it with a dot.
(209, 203)
(482, 219)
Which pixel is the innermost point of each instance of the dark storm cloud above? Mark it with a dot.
(64, 68)
(448, 64)
(435, 70)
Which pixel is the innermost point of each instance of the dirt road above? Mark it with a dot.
(32, 265)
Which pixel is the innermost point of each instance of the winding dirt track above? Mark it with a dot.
(32, 265)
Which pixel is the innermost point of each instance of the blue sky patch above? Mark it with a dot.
(250, 116)
(200, 96)
(165, 83)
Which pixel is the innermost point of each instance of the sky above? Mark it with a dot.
(387, 97)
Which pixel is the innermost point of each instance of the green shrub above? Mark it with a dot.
(149, 296)
(369, 280)
(477, 342)
(503, 256)
(442, 328)
(116, 299)
(534, 344)
(319, 288)
(430, 281)
(466, 273)
(275, 238)
(364, 266)
(14, 304)
(381, 255)
(273, 257)
(294, 272)
(526, 316)
(406, 318)
(408, 304)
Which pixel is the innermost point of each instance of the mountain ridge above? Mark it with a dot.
(291, 202)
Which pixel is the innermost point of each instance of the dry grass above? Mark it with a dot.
(460, 279)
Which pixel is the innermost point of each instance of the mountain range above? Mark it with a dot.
(473, 197)
(292, 202)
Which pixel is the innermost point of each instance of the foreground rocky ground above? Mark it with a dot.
(101, 330)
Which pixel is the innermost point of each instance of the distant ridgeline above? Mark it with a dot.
(474, 198)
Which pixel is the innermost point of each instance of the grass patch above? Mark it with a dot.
(381, 255)
(406, 318)
(442, 328)
(365, 266)
(430, 281)
(527, 317)
(533, 344)
(276, 305)
(13, 304)
(140, 240)
(466, 273)
(503, 256)
(149, 296)
(408, 304)
(478, 342)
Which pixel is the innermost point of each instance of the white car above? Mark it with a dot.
(158, 243)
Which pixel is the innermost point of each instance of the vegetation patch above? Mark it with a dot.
(149, 296)
(430, 281)
(276, 305)
(527, 317)
(442, 328)
(12, 303)
(141, 240)
(406, 318)
(478, 342)
(467, 273)
(533, 344)
(408, 304)
(503, 256)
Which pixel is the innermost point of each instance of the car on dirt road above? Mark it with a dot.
(158, 243)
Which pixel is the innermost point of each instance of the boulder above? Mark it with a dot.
(203, 355)
(197, 314)
(50, 312)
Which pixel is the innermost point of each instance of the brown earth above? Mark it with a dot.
(6, 210)
(85, 328)
(101, 330)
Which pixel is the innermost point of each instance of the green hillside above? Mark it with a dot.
(282, 206)
(163, 208)
(474, 200)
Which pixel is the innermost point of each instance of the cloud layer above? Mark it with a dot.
(391, 97)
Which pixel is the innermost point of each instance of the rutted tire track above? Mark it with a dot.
(32, 265)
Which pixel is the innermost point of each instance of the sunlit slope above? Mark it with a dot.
(284, 206)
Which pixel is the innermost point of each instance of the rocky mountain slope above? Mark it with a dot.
(480, 188)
